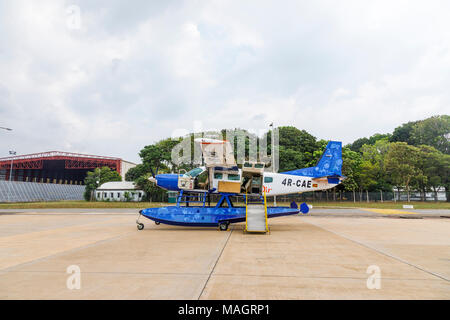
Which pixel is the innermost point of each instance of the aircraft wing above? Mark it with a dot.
(217, 152)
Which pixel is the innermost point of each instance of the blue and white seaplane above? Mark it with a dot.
(222, 176)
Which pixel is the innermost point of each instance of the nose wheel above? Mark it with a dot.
(139, 225)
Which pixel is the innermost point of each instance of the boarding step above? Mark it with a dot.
(256, 218)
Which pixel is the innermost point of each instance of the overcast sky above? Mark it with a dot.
(133, 72)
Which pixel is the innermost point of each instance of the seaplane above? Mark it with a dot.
(221, 175)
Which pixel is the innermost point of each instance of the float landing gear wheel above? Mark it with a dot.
(157, 223)
(223, 226)
(140, 226)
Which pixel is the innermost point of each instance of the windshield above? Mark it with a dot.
(195, 172)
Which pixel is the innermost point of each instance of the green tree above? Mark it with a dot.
(402, 165)
(137, 171)
(318, 152)
(351, 169)
(373, 172)
(97, 177)
(434, 131)
(444, 173)
(239, 135)
(290, 159)
(435, 166)
(296, 148)
(127, 196)
(368, 174)
(298, 140)
(156, 158)
(403, 133)
(159, 155)
(151, 190)
(359, 143)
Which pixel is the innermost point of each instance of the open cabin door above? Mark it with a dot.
(252, 177)
(217, 152)
(218, 155)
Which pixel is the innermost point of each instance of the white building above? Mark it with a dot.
(119, 191)
(414, 195)
(125, 166)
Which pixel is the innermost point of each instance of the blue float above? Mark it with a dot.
(210, 216)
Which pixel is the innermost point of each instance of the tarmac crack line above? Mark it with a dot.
(217, 274)
(383, 253)
(217, 260)
(31, 262)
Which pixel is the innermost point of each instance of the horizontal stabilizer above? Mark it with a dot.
(330, 179)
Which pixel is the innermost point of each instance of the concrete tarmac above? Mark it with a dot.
(324, 255)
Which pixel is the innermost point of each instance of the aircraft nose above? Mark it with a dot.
(167, 181)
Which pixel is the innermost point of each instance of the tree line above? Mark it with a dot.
(415, 157)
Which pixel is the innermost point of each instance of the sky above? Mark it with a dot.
(108, 77)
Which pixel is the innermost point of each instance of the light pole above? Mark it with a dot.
(9, 189)
(12, 153)
(97, 182)
(273, 160)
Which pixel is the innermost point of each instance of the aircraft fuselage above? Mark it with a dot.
(273, 183)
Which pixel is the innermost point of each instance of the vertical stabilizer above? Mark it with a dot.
(330, 164)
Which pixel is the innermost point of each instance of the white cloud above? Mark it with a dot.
(133, 73)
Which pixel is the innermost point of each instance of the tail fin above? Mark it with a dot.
(330, 164)
(331, 161)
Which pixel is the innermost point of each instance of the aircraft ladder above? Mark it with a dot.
(256, 215)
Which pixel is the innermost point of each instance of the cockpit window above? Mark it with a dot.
(234, 177)
(194, 172)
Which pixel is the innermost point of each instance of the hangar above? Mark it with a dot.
(57, 167)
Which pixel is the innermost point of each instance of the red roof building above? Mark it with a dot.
(57, 167)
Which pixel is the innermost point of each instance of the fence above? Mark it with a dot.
(342, 196)
(334, 196)
(13, 191)
(357, 196)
